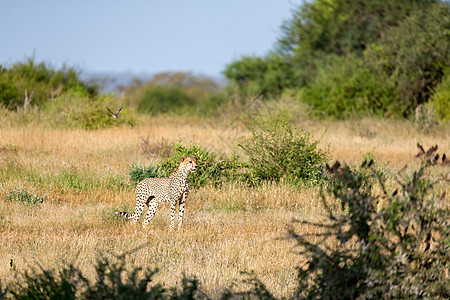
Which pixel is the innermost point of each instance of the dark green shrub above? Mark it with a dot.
(176, 92)
(139, 172)
(277, 152)
(9, 93)
(441, 98)
(345, 88)
(210, 104)
(212, 169)
(21, 195)
(264, 76)
(164, 99)
(400, 251)
(413, 56)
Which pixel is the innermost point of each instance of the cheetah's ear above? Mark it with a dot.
(183, 158)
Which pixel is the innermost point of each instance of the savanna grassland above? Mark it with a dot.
(227, 230)
(362, 82)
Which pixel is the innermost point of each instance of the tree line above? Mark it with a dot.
(341, 58)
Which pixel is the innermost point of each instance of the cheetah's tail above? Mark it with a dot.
(124, 214)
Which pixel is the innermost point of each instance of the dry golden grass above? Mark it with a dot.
(214, 246)
(227, 230)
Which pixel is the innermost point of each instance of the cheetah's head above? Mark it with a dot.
(189, 163)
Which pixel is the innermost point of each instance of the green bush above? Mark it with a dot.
(176, 92)
(163, 99)
(139, 172)
(77, 109)
(413, 56)
(211, 169)
(441, 98)
(345, 88)
(210, 104)
(21, 195)
(9, 93)
(400, 251)
(265, 76)
(277, 152)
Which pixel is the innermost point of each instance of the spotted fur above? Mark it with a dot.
(172, 189)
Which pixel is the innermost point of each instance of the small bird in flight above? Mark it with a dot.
(115, 115)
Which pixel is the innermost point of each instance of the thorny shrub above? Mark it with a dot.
(400, 251)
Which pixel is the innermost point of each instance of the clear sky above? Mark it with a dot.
(140, 35)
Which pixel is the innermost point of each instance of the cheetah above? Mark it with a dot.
(172, 189)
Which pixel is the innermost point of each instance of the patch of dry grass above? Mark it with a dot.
(227, 230)
(215, 246)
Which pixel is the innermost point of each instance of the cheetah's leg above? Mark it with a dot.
(152, 207)
(181, 212)
(140, 204)
(172, 214)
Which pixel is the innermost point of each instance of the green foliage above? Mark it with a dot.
(254, 75)
(392, 77)
(211, 169)
(342, 27)
(346, 87)
(441, 98)
(9, 93)
(77, 109)
(37, 81)
(161, 99)
(414, 55)
(176, 92)
(278, 152)
(63, 100)
(139, 172)
(21, 195)
(400, 251)
(354, 57)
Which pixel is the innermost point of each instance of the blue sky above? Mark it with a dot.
(140, 36)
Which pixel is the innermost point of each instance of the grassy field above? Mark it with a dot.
(227, 230)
